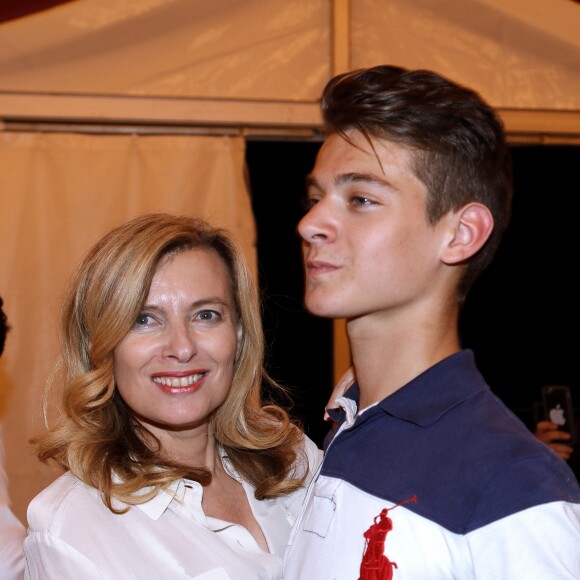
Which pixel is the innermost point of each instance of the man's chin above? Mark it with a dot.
(321, 307)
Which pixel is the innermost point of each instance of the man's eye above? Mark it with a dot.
(308, 204)
(360, 200)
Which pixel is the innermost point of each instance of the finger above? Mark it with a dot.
(546, 426)
(552, 436)
(564, 451)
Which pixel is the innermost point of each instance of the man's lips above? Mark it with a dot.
(316, 267)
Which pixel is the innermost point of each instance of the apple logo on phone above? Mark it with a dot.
(557, 415)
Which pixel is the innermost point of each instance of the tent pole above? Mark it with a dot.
(340, 36)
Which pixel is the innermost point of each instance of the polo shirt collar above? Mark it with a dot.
(426, 398)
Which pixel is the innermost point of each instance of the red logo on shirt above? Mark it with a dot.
(375, 565)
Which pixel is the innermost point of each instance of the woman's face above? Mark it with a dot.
(175, 366)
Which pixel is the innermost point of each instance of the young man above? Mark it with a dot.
(12, 532)
(429, 475)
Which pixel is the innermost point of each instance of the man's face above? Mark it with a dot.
(368, 247)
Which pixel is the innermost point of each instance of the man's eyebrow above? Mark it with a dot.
(354, 177)
(346, 178)
(311, 181)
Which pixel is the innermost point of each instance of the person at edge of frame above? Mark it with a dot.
(12, 531)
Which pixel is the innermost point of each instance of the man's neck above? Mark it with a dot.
(387, 358)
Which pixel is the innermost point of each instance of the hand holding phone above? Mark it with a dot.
(558, 408)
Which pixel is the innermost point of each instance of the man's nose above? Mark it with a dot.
(315, 225)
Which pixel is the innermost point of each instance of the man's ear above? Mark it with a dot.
(472, 226)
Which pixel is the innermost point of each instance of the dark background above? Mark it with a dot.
(520, 317)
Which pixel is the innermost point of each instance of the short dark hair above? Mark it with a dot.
(461, 154)
(4, 328)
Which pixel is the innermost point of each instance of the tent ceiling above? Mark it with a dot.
(255, 66)
(13, 9)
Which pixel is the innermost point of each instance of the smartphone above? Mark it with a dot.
(558, 408)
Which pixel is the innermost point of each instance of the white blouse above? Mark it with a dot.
(72, 534)
(11, 530)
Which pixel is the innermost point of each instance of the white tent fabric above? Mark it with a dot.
(59, 194)
(247, 49)
(517, 53)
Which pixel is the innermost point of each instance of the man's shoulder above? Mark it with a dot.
(474, 464)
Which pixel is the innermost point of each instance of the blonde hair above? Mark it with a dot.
(96, 437)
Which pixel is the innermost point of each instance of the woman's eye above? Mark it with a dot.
(208, 315)
(143, 320)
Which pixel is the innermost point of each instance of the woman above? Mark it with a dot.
(174, 466)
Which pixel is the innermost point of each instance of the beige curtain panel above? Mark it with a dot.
(59, 193)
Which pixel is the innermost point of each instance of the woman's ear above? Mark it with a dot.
(240, 334)
(472, 226)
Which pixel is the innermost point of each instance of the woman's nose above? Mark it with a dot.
(180, 343)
